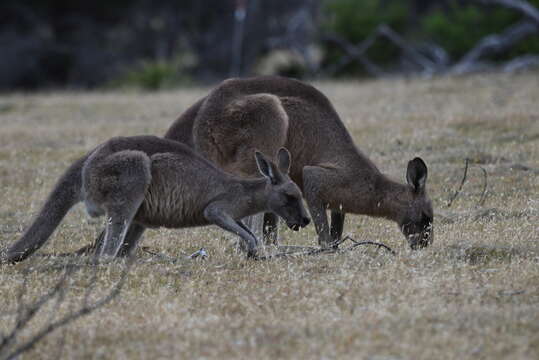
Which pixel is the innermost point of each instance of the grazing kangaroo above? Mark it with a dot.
(240, 115)
(146, 181)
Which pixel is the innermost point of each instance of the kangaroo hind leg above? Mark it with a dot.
(131, 240)
(337, 225)
(119, 183)
(319, 185)
(118, 223)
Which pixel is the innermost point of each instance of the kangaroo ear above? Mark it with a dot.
(283, 158)
(416, 174)
(264, 166)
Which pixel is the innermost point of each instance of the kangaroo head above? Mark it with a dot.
(283, 195)
(416, 220)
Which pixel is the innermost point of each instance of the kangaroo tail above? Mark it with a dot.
(66, 193)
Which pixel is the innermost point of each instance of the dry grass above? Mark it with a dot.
(473, 294)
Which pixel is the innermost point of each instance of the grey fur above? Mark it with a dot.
(146, 181)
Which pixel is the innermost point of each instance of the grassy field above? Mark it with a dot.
(473, 294)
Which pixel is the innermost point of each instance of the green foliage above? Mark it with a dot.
(460, 28)
(457, 27)
(149, 75)
(356, 20)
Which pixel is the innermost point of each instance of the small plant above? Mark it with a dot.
(154, 75)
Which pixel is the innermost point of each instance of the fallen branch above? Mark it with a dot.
(428, 66)
(353, 53)
(438, 63)
(494, 44)
(356, 244)
(358, 51)
(330, 250)
(520, 63)
(521, 6)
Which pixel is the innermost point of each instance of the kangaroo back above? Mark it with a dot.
(66, 194)
(240, 126)
(253, 111)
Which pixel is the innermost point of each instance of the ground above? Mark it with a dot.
(473, 294)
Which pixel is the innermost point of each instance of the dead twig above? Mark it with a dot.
(483, 196)
(330, 250)
(485, 184)
(359, 243)
(466, 161)
(26, 312)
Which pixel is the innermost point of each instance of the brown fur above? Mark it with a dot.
(229, 147)
(236, 117)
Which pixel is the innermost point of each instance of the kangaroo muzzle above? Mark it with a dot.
(303, 221)
(421, 240)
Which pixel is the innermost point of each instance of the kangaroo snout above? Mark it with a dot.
(304, 221)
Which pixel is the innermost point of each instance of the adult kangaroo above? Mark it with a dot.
(146, 181)
(267, 113)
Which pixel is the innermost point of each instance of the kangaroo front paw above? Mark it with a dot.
(254, 252)
(252, 255)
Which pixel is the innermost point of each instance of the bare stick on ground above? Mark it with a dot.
(485, 185)
(309, 251)
(450, 202)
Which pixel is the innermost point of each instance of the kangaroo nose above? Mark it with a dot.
(305, 221)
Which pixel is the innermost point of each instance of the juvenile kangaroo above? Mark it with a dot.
(240, 115)
(146, 181)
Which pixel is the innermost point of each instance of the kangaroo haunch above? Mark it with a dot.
(146, 181)
(267, 113)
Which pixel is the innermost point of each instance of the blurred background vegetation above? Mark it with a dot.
(166, 43)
